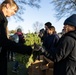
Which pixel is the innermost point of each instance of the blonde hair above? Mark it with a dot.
(11, 2)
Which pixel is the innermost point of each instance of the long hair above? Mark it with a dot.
(53, 29)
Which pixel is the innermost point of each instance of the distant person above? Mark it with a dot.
(64, 55)
(20, 35)
(7, 9)
(47, 25)
(52, 38)
(41, 34)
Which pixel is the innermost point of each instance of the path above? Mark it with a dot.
(22, 70)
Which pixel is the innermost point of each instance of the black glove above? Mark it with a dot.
(38, 48)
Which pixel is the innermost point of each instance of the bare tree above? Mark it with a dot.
(37, 26)
(64, 7)
(22, 7)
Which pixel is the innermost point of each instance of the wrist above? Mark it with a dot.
(42, 49)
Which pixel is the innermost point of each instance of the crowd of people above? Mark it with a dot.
(61, 50)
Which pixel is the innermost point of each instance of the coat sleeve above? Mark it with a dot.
(16, 47)
(12, 46)
(8, 44)
(62, 51)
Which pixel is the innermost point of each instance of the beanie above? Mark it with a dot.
(71, 20)
(48, 24)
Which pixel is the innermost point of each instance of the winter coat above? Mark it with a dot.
(7, 45)
(21, 37)
(51, 41)
(64, 55)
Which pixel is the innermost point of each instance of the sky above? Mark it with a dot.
(31, 15)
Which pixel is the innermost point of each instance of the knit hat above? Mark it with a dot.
(71, 20)
(48, 24)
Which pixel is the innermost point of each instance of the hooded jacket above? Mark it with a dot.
(64, 55)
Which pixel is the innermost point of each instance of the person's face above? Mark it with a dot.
(68, 28)
(49, 31)
(11, 10)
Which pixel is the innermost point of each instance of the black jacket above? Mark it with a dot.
(50, 41)
(6, 44)
(64, 55)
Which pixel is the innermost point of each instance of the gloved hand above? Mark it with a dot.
(38, 48)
